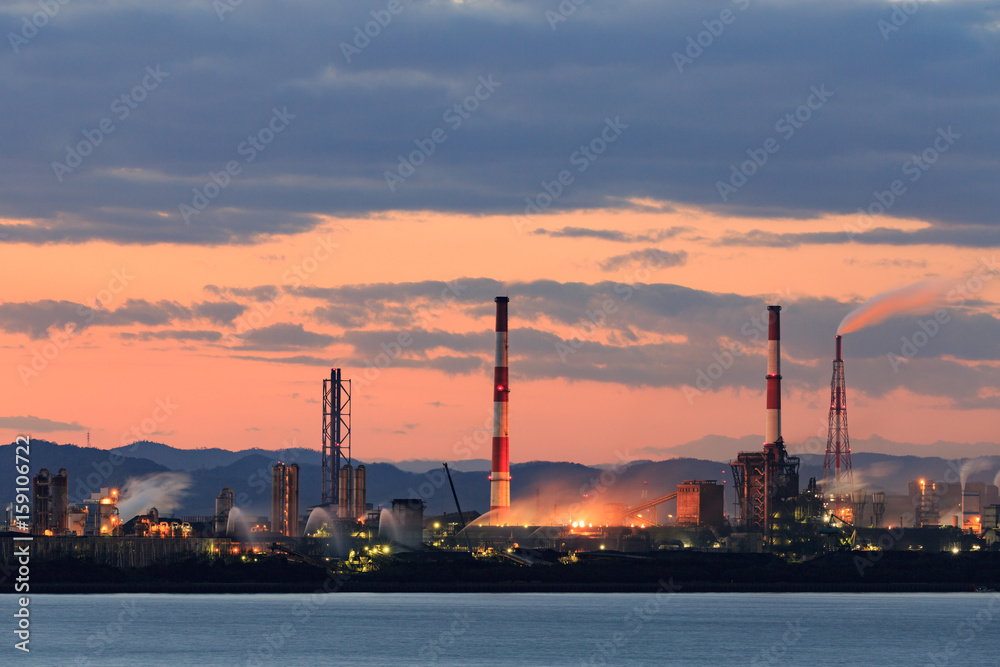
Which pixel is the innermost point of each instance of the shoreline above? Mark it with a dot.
(494, 587)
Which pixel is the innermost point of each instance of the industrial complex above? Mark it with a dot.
(772, 510)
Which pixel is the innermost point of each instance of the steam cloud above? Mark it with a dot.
(162, 490)
(973, 466)
(916, 299)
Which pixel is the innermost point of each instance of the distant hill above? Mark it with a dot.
(198, 459)
(725, 448)
(538, 488)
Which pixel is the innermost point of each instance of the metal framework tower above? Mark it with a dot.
(878, 508)
(837, 477)
(336, 433)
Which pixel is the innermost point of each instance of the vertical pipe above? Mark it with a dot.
(500, 471)
(772, 429)
(360, 492)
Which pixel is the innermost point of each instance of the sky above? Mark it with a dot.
(206, 205)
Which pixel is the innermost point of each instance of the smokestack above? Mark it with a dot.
(838, 349)
(500, 477)
(772, 429)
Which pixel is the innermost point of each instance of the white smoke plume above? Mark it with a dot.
(162, 490)
(973, 466)
(919, 298)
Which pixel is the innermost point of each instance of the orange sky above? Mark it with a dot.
(108, 385)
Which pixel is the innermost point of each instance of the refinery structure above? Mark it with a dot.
(767, 510)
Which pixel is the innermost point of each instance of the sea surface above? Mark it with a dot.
(508, 629)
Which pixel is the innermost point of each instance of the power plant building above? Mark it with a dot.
(285, 499)
(700, 502)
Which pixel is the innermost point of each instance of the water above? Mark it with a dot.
(523, 629)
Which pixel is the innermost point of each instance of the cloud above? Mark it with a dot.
(34, 424)
(219, 312)
(936, 234)
(205, 336)
(284, 336)
(303, 360)
(652, 258)
(612, 234)
(890, 97)
(37, 318)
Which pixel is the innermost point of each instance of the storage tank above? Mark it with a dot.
(223, 503)
(345, 497)
(360, 501)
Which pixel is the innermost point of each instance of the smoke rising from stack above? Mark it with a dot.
(162, 490)
(916, 299)
(973, 466)
(996, 480)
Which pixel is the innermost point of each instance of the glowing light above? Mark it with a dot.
(574, 524)
(385, 549)
(437, 525)
(499, 387)
(954, 550)
(602, 547)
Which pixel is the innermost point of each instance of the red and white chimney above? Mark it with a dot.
(500, 472)
(772, 429)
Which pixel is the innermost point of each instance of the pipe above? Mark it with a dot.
(772, 429)
(500, 470)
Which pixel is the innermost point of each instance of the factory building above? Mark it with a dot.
(41, 487)
(285, 499)
(700, 502)
(50, 503)
(926, 498)
(976, 496)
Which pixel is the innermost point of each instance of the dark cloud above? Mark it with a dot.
(663, 335)
(32, 424)
(649, 258)
(612, 234)
(303, 360)
(219, 312)
(285, 336)
(352, 121)
(938, 234)
(205, 336)
(38, 318)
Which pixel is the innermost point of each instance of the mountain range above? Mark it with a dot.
(186, 482)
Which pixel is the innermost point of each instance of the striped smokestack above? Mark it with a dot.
(772, 430)
(500, 477)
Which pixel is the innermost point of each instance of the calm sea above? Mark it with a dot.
(518, 629)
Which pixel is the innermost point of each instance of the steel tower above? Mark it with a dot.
(336, 433)
(837, 477)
